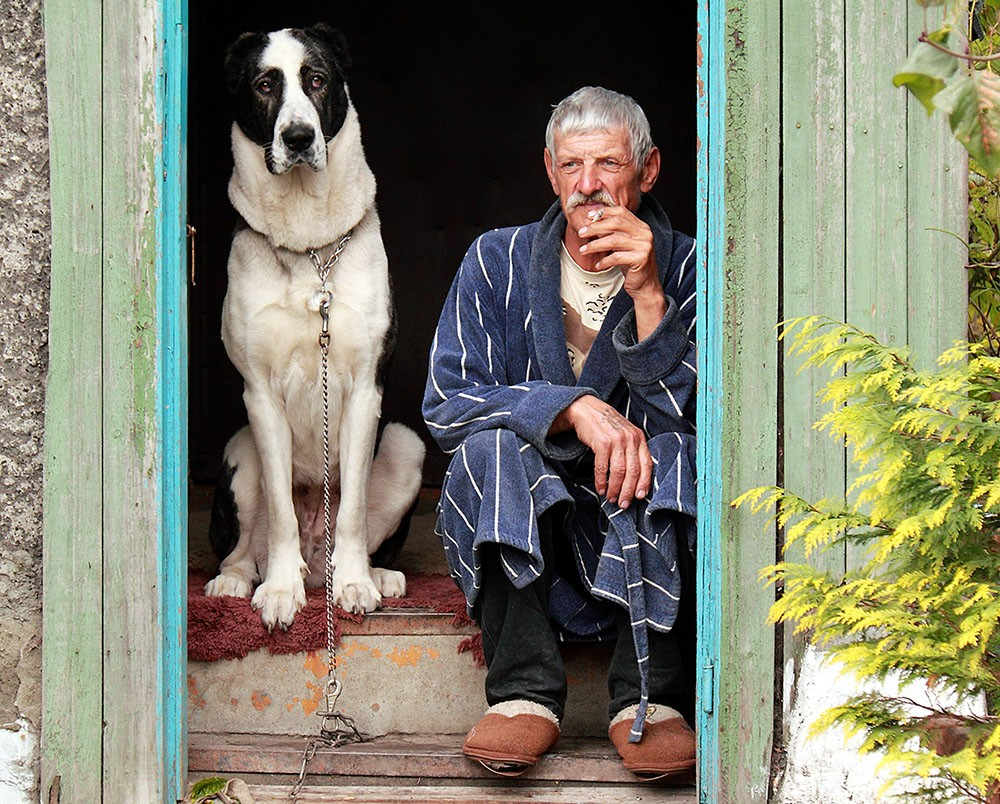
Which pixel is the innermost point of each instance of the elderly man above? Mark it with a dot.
(562, 381)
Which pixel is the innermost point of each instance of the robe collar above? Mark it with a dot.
(601, 372)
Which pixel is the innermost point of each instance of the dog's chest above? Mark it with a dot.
(273, 321)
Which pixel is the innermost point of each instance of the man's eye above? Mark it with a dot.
(570, 167)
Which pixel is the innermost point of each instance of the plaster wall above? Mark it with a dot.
(827, 767)
(24, 302)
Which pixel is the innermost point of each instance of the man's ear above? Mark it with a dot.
(650, 171)
(550, 170)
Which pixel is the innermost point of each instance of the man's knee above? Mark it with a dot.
(487, 444)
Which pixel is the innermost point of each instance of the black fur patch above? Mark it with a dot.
(224, 526)
(388, 551)
(388, 345)
(256, 111)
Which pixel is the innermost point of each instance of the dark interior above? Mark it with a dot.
(453, 100)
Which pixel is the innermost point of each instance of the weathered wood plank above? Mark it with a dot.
(431, 756)
(474, 794)
(812, 261)
(132, 626)
(710, 217)
(71, 547)
(172, 364)
(876, 172)
(813, 247)
(936, 203)
(749, 364)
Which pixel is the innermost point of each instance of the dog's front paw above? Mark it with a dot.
(356, 595)
(228, 583)
(390, 583)
(278, 604)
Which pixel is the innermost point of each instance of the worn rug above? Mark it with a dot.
(227, 628)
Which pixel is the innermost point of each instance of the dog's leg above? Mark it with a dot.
(238, 572)
(282, 594)
(396, 475)
(354, 589)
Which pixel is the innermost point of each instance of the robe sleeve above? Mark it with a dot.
(661, 369)
(479, 375)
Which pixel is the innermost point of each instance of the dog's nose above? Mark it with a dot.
(297, 137)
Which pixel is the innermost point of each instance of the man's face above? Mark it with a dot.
(593, 170)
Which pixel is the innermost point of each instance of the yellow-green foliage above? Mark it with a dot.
(923, 515)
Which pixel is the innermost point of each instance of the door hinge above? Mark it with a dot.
(708, 688)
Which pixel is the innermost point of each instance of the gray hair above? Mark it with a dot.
(598, 109)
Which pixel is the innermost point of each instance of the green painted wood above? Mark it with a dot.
(876, 169)
(749, 371)
(72, 540)
(812, 263)
(813, 243)
(937, 193)
(132, 636)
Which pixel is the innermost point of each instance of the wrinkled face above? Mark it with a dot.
(290, 92)
(595, 169)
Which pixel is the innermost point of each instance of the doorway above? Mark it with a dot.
(453, 100)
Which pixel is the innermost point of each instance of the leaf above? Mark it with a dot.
(926, 72)
(972, 104)
(207, 788)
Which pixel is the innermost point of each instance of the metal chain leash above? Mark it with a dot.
(336, 729)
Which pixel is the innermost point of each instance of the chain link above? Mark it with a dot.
(337, 729)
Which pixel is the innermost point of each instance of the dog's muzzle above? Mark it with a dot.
(296, 142)
(298, 137)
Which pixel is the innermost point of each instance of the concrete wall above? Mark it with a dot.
(24, 302)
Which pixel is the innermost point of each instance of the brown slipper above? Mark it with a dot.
(511, 737)
(667, 747)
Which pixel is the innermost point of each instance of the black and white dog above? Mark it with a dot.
(305, 192)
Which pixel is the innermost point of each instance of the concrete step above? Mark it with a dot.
(427, 767)
(401, 672)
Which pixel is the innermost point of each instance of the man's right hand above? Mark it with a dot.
(623, 467)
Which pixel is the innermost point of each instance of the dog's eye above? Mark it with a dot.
(317, 81)
(264, 86)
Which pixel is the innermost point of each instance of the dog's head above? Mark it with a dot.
(290, 92)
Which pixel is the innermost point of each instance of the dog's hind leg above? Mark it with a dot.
(238, 572)
(397, 472)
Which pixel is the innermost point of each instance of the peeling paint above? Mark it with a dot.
(410, 657)
(260, 700)
(309, 705)
(196, 698)
(315, 664)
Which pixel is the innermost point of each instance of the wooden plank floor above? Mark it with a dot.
(469, 794)
(422, 768)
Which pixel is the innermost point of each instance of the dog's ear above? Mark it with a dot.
(335, 40)
(236, 57)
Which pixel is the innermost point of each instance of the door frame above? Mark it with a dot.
(114, 653)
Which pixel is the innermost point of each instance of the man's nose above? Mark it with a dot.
(590, 180)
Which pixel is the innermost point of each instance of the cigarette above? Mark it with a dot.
(599, 214)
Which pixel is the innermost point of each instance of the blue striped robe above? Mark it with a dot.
(499, 374)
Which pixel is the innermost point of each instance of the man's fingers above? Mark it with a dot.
(617, 476)
(601, 472)
(645, 473)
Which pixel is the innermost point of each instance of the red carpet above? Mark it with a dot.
(227, 628)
